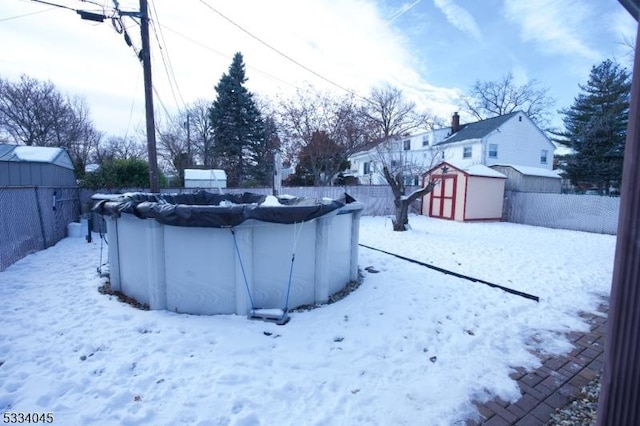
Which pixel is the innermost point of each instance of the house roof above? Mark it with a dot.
(35, 154)
(479, 129)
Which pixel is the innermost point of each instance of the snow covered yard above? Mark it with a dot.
(410, 346)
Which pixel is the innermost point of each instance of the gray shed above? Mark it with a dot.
(529, 179)
(35, 166)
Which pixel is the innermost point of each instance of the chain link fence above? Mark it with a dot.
(34, 218)
(590, 213)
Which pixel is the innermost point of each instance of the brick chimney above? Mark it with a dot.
(455, 122)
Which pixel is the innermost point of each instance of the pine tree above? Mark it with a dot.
(262, 154)
(596, 126)
(236, 123)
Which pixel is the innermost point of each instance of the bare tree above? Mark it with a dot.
(75, 132)
(34, 112)
(390, 117)
(119, 148)
(322, 128)
(172, 147)
(488, 99)
(201, 134)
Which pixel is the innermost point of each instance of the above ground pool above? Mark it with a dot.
(206, 253)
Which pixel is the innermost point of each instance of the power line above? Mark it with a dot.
(84, 14)
(206, 47)
(166, 59)
(259, 40)
(133, 101)
(55, 5)
(27, 14)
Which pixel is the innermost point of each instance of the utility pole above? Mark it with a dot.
(277, 178)
(188, 124)
(145, 57)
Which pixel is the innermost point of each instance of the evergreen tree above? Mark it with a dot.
(596, 126)
(237, 125)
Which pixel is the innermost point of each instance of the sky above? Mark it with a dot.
(409, 346)
(433, 50)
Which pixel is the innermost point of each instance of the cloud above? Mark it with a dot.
(559, 28)
(459, 17)
(403, 9)
(623, 28)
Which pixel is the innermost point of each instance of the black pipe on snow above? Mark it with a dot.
(458, 275)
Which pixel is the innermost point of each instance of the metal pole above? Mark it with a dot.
(145, 57)
(277, 178)
(188, 141)
(620, 386)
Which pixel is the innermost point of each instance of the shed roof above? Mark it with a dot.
(474, 170)
(36, 154)
(532, 171)
(482, 170)
(478, 130)
(210, 174)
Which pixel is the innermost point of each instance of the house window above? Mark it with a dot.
(367, 167)
(407, 145)
(410, 180)
(493, 150)
(394, 163)
(425, 140)
(466, 153)
(543, 156)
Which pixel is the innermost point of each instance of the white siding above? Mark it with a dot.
(520, 143)
(454, 153)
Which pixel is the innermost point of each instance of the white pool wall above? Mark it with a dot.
(197, 270)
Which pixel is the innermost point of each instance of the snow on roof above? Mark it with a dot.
(91, 167)
(562, 150)
(36, 154)
(474, 170)
(533, 171)
(481, 170)
(39, 154)
(212, 174)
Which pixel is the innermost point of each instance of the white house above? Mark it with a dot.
(507, 139)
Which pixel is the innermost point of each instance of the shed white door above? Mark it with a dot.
(443, 197)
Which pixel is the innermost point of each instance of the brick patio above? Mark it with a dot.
(553, 384)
